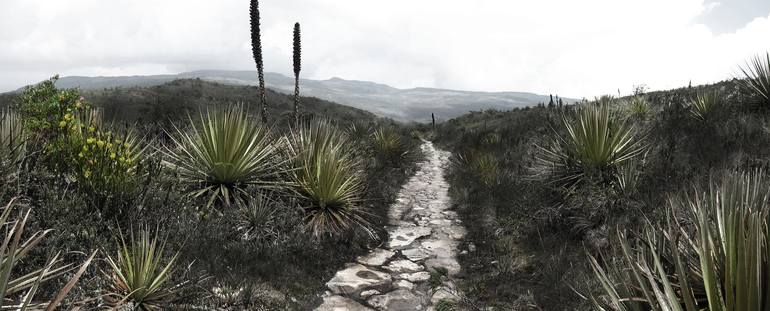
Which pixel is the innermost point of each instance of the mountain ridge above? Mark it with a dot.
(411, 104)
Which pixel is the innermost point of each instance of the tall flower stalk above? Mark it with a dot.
(256, 49)
(297, 68)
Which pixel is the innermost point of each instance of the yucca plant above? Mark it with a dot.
(638, 106)
(721, 264)
(705, 105)
(387, 145)
(224, 152)
(18, 293)
(329, 178)
(140, 274)
(756, 80)
(596, 144)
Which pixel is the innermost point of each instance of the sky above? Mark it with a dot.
(572, 48)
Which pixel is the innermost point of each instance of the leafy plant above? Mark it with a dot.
(329, 178)
(225, 152)
(138, 274)
(756, 80)
(13, 250)
(639, 106)
(387, 145)
(705, 105)
(721, 264)
(596, 144)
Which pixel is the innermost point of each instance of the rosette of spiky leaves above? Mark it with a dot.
(638, 106)
(138, 274)
(256, 49)
(13, 250)
(756, 80)
(595, 145)
(297, 68)
(329, 178)
(705, 105)
(224, 152)
(719, 264)
(387, 144)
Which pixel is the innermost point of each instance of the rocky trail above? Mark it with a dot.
(413, 271)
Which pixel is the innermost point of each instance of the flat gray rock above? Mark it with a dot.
(416, 277)
(404, 236)
(377, 257)
(339, 303)
(403, 265)
(415, 254)
(398, 300)
(355, 278)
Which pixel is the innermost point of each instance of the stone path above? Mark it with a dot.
(424, 238)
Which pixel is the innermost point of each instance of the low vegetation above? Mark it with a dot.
(648, 202)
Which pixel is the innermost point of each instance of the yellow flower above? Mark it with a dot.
(109, 145)
(118, 141)
(87, 173)
(126, 145)
(80, 155)
(100, 143)
(85, 148)
(91, 140)
(68, 117)
(91, 129)
(122, 159)
(62, 123)
(78, 104)
(112, 156)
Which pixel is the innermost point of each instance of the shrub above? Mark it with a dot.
(706, 105)
(225, 152)
(756, 81)
(482, 166)
(720, 264)
(328, 177)
(138, 275)
(638, 106)
(596, 144)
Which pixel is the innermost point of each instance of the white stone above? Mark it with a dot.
(400, 266)
(356, 278)
(339, 303)
(402, 237)
(404, 284)
(377, 257)
(368, 293)
(398, 300)
(416, 277)
(415, 254)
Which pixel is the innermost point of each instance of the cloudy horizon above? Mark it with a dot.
(575, 49)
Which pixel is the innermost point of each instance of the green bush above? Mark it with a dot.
(706, 105)
(328, 177)
(387, 145)
(224, 153)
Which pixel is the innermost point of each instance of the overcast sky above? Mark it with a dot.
(573, 48)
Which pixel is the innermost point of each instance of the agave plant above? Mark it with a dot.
(595, 146)
(13, 250)
(705, 105)
(328, 177)
(722, 264)
(138, 274)
(226, 151)
(387, 145)
(756, 81)
(639, 106)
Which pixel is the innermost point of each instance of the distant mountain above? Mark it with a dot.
(414, 104)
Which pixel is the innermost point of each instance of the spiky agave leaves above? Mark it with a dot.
(13, 250)
(387, 145)
(756, 81)
(721, 263)
(705, 105)
(329, 178)
(138, 273)
(595, 145)
(224, 152)
(297, 68)
(256, 49)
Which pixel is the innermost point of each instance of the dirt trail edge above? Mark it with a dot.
(414, 270)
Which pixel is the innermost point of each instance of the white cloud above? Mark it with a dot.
(573, 48)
